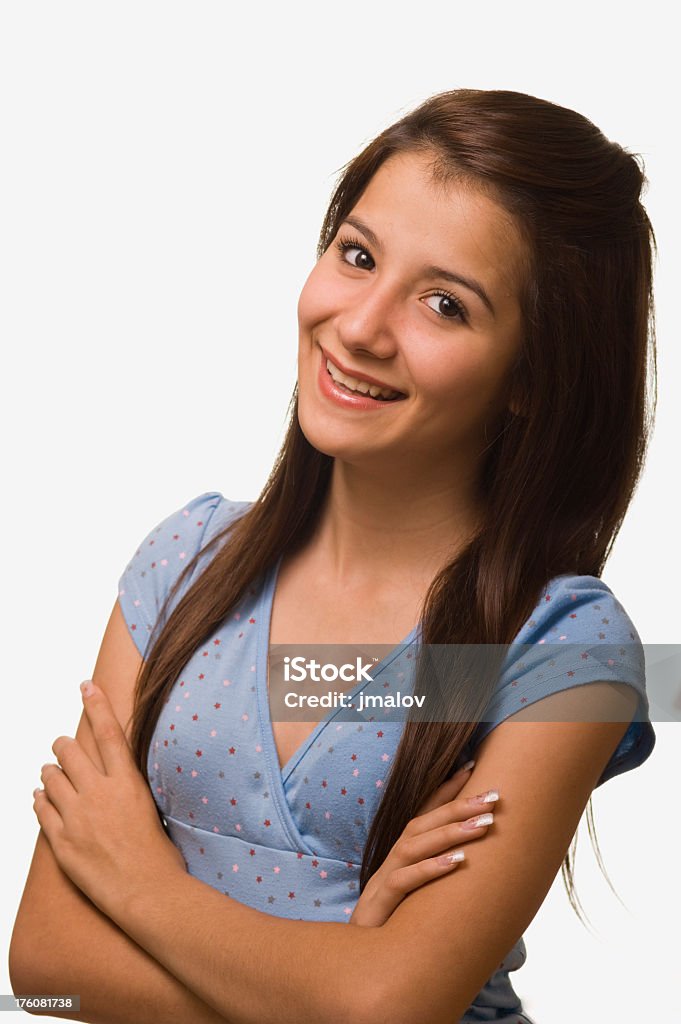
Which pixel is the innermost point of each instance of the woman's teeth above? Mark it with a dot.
(364, 388)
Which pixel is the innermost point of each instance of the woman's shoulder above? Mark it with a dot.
(578, 608)
(161, 555)
(578, 633)
(182, 532)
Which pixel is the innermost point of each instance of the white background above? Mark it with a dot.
(165, 170)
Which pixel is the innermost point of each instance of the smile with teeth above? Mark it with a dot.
(362, 386)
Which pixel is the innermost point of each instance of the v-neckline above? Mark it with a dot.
(265, 616)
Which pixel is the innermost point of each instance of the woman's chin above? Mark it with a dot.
(339, 442)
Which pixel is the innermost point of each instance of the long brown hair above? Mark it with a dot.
(558, 476)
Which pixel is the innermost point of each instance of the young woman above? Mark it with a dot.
(485, 263)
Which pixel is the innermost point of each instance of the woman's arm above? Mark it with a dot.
(458, 930)
(61, 942)
(443, 942)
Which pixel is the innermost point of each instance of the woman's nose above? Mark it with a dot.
(369, 323)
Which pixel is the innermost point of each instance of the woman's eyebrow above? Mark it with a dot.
(431, 271)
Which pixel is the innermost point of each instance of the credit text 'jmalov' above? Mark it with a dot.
(337, 699)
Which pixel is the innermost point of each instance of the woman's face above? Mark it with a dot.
(445, 338)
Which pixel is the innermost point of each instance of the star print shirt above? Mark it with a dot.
(289, 841)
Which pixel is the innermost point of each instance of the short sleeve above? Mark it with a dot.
(162, 555)
(578, 633)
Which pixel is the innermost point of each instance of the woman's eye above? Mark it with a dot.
(448, 306)
(346, 247)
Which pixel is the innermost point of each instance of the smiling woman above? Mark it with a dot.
(468, 426)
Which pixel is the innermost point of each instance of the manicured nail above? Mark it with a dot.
(86, 688)
(478, 822)
(468, 765)
(451, 858)
(490, 797)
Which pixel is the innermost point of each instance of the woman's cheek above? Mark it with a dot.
(460, 405)
(318, 299)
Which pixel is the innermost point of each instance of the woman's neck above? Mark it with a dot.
(394, 528)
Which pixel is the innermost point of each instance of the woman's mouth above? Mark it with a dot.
(352, 391)
(362, 386)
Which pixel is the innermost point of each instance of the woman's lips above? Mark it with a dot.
(364, 377)
(348, 399)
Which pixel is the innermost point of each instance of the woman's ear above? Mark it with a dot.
(517, 402)
(517, 407)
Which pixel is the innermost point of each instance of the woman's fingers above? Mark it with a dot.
(404, 880)
(411, 849)
(429, 854)
(454, 810)
(427, 847)
(47, 814)
(57, 786)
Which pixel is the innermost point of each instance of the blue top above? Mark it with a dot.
(289, 842)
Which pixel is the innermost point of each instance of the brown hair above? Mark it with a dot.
(558, 477)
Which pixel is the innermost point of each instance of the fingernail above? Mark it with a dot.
(86, 688)
(451, 858)
(36, 790)
(468, 765)
(478, 822)
(484, 798)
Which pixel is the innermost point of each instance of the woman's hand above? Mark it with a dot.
(424, 850)
(104, 829)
